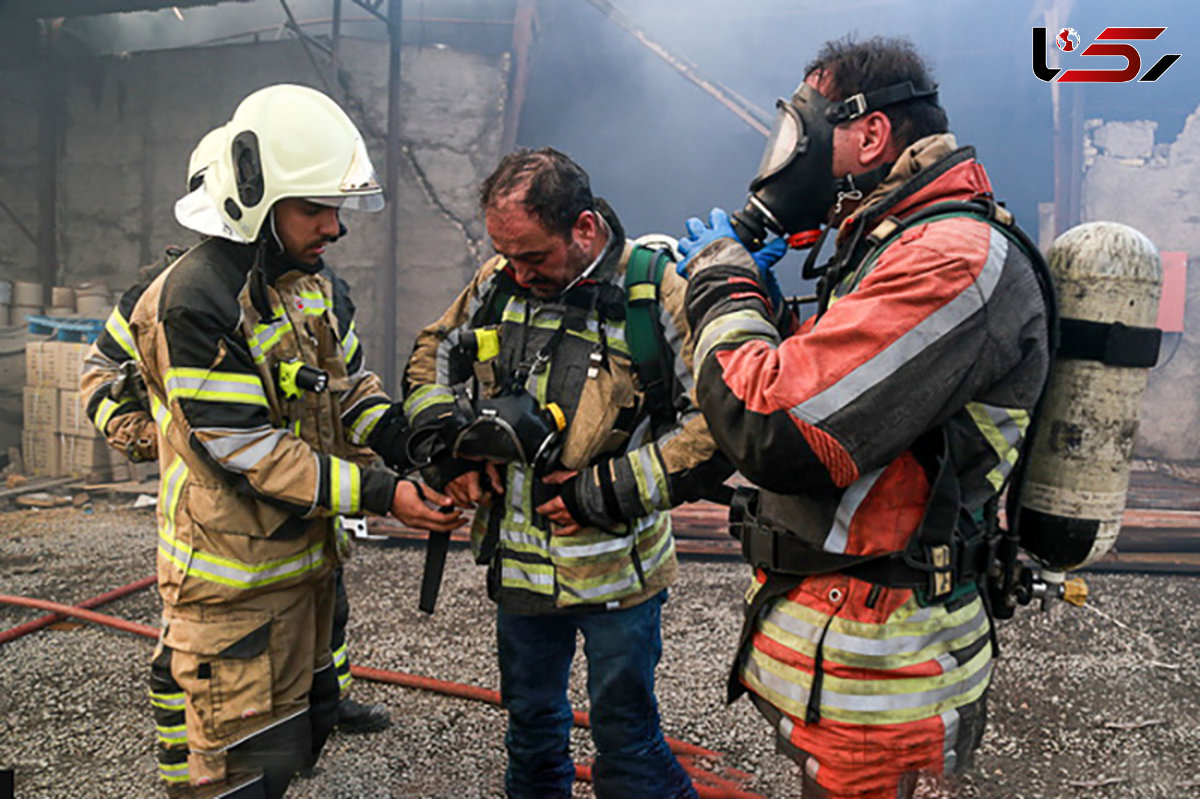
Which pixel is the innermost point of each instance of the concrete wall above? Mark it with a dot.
(1155, 188)
(132, 122)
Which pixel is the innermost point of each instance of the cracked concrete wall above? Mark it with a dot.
(1155, 188)
(132, 122)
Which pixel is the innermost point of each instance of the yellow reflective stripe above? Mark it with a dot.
(170, 492)
(425, 397)
(364, 425)
(162, 414)
(737, 327)
(642, 291)
(535, 577)
(168, 701)
(213, 386)
(487, 344)
(1004, 449)
(349, 344)
(345, 482)
(313, 302)
(266, 336)
(174, 772)
(119, 329)
(105, 412)
(172, 735)
(235, 573)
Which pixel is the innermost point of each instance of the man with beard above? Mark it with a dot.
(551, 428)
(264, 412)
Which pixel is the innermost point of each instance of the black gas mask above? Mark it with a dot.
(513, 429)
(795, 188)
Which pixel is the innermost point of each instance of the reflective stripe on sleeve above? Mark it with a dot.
(118, 328)
(345, 481)
(737, 327)
(362, 427)
(212, 386)
(911, 343)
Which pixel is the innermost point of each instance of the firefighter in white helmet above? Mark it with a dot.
(255, 377)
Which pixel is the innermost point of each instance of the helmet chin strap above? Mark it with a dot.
(274, 231)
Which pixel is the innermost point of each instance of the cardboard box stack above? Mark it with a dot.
(58, 438)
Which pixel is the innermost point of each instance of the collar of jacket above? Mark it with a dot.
(932, 169)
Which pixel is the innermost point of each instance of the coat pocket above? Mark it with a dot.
(223, 665)
(600, 403)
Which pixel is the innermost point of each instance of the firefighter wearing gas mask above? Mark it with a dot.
(265, 412)
(878, 433)
(572, 457)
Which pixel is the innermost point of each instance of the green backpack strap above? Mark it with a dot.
(643, 330)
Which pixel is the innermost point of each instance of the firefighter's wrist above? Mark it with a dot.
(378, 491)
(586, 500)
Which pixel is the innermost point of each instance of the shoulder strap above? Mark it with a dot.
(643, 329)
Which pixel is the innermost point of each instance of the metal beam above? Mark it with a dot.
(84, 8)
(391, 260)
(50, 117)
(524, 22)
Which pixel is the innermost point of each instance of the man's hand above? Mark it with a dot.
(556, 510)
(411, 505)
(467, 491)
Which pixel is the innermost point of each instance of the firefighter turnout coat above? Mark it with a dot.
(252, 472)
(609, 437)
(944, 329)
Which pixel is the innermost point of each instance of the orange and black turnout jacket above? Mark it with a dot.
(946, 329)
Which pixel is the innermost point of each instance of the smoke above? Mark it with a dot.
(661, 150)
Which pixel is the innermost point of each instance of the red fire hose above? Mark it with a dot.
(707, 784)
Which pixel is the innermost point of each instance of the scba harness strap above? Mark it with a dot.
(953, 546)
(643, 327)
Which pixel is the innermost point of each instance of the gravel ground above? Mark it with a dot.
(1099, 702)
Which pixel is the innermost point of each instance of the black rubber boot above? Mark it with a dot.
(355, 717)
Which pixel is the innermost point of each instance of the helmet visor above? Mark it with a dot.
(783, 141)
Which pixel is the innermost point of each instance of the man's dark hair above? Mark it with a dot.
(557, 190)
(847, 67)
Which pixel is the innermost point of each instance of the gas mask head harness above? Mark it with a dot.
(795, 188)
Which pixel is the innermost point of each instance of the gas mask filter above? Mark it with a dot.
(513, 429)
(795, 188)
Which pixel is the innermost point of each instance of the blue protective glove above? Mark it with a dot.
(765, 259)
(700, 236)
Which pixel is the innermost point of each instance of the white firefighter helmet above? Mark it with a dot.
(203, 156)
(282, 141)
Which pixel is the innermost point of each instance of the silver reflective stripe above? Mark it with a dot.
(118, 328)
(612, 544)
(852, 498)
(512, 571)
(891, 646)
(675, 346)
(521, 537)
(257, 445)
(795, 691)
(266, 336)
(365, 423)
(950, 726)
(738, 326)
(517, 499)
(650, 475)
(625, 580)
(916, 341)
(880, 702)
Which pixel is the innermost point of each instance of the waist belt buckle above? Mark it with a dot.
(941, 575)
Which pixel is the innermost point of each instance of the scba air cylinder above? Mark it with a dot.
(1108, 278)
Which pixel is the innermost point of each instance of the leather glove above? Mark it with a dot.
(700, 236)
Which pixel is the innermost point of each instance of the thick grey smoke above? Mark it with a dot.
(660, 149)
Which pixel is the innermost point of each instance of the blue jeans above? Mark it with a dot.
(622, 649)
